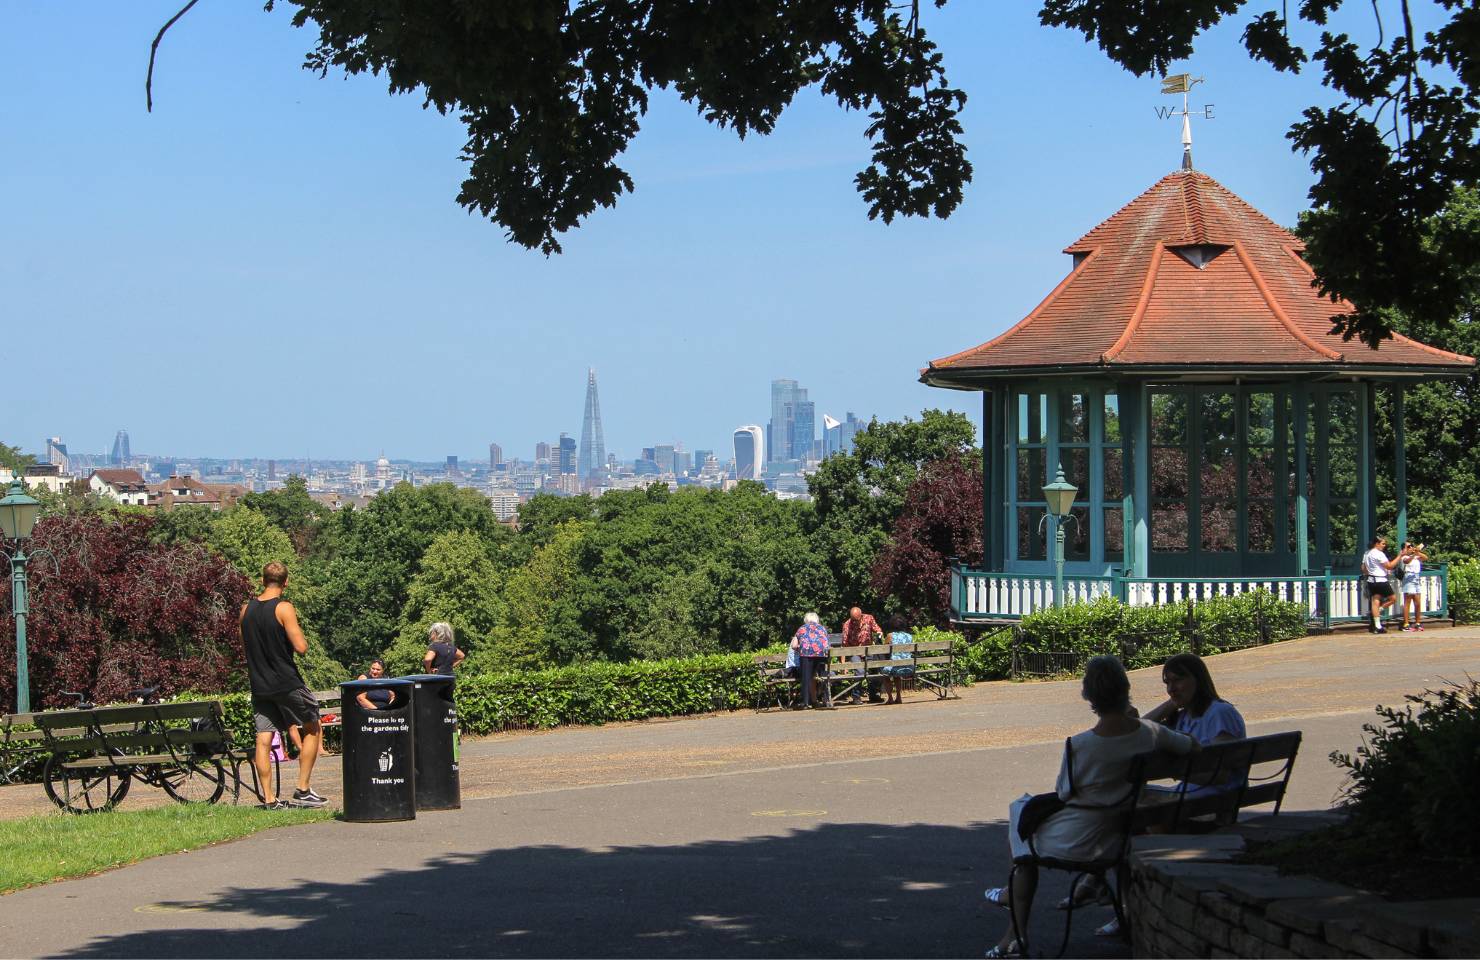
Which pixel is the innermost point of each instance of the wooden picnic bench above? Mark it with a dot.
(184, 748)
(1209, 788)
(850, 668)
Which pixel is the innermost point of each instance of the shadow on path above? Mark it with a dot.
(836, 890)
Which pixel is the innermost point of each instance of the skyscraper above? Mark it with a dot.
(120, 452)
(793, 427)
(593, 443)
(495, 456)
(567, 453)
(837, 435)
(542, 452)
(749, 446)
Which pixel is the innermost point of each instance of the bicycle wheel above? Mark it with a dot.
(197, 780)
(84, 791)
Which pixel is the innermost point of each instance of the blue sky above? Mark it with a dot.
(272, 264)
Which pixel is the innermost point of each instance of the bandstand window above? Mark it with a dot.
(1342, 458)
(1218, 474)
(1078, 429)
(1260, 472)
(1032, 474)
(1169, 485)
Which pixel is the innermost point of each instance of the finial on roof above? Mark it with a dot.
(1183, 83)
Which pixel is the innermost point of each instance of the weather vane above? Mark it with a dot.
(1183, 83)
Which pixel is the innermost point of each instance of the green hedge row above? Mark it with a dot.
(1142, 636)
(1464, 591)
(588, 694)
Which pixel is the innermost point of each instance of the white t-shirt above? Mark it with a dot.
(1373, 565)
(1101, 765)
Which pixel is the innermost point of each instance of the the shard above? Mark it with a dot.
(592, 460)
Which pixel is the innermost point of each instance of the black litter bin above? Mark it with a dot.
(379, 753)
(436, 742)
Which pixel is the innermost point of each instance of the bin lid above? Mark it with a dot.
(428, 677)
(376, 683)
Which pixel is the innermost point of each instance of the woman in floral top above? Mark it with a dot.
(810, 643)
(896, 674)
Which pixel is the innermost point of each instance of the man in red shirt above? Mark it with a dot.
(860, 630)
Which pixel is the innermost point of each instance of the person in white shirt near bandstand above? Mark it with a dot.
(1376, 568)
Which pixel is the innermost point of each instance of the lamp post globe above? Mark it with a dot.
(1060, 496)
(18, 513)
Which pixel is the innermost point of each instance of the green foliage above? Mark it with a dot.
(458, 584)
(247, 539)
(542, 621)
(599, 693)
(1144, 636)
(858, 496)
(12, 459)
(552, 94)
(988, 657)
(1464, 591)
(1441, 421)
(359, 574)
(291, 509)
(592, 693)
(1418, 774)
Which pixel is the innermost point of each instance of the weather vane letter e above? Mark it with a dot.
(1183, 83)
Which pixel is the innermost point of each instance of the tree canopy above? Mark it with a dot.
(552, 92)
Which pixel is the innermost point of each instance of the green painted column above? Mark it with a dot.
(1400, 464)
(1302, 468)
(989, 471)
(1367, 479)
(1136, 428)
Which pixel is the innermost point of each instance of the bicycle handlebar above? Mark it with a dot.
(145, 694)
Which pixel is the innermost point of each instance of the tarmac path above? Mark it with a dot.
(863, 831)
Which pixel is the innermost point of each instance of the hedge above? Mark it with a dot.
(1059, 640)
(1464, 591)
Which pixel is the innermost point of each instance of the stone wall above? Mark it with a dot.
(1186, 898)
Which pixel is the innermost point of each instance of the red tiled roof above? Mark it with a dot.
(1133, 301)
(123, 480)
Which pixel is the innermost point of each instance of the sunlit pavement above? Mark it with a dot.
(864, 831)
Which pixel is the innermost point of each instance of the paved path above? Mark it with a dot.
(858, 832)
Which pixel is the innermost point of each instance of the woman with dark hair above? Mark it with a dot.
(896, 674)
(1092, 784)
(1193, 706)
(381, 699)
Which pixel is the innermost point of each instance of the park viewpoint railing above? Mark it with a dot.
(1328, 598)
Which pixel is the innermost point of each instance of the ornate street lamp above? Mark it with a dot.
(1060, 497)
(18, 513)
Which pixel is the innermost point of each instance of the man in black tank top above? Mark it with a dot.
(271, 636)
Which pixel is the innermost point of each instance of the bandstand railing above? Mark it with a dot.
(1328, 598)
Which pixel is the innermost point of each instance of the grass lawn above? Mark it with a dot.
(55, 846)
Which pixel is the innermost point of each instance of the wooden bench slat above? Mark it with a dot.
(127, 760)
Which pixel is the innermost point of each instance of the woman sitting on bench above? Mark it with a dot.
(1092, 781)
(381, 699)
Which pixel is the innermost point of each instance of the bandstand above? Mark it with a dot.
(1220, 436)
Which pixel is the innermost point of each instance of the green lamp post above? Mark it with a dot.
(18, 513)
(1060, 497)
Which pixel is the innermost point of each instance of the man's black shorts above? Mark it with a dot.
(279, 711)
(1380, 588)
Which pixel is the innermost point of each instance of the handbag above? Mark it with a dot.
(1041, 806)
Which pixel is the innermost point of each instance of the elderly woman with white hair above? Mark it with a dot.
(442, 653)
(1092, 786)
(811, 646)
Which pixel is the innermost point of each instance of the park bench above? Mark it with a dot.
(1211, 787)
(183, 748)
(21, 746)
(932, 661)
